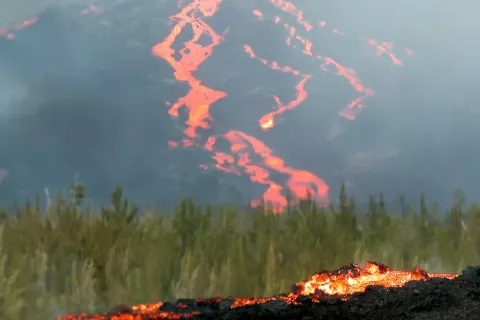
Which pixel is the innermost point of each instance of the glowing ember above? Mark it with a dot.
(357, 279)
(342, 283)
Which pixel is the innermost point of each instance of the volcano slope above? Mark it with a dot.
(351, 292)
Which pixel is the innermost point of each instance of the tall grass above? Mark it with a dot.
(66, 258)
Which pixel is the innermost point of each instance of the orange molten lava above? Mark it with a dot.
(10, 32)
(248, 154)
(92, 8)
(343, 283)
(357, 279)
(301, 183)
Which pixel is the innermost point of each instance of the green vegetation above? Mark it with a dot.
(68, 259)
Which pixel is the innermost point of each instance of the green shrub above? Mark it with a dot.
(69, 258)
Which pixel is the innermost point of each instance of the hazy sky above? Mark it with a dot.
(83, 94)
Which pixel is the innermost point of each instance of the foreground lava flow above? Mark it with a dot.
(343, 283)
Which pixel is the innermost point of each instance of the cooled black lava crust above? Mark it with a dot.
(430, 299)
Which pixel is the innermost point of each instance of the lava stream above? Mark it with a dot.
(267, 121)
(340, 283)
(253, 158)
(357, 104)
(10, 32)
(199, 100)
(301, 183)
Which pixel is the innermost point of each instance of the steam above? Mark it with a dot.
(367, 160)
(11, 94)
(3, 175)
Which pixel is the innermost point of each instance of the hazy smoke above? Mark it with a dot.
(82, 94)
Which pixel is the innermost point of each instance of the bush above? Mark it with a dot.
(68, 258)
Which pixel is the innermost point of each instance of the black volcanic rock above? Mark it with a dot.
(435, 298)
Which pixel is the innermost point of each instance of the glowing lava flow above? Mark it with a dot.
(10, 32)
(248, 154)
(357, 104)
(357, 279)
(199, 100)
(341, 283)
(301, 183)
(267, 122)
(92, 8)
(354, 106)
